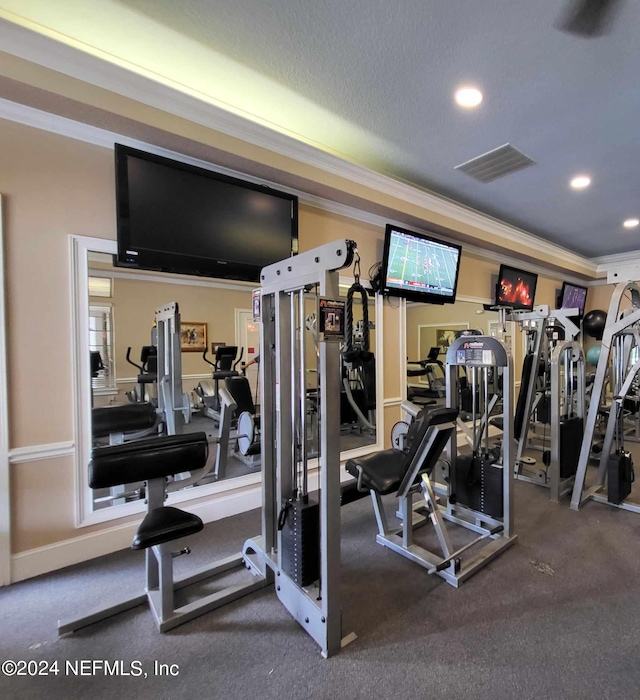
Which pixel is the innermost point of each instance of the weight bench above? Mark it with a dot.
(123, 423)
(153, 461)
(406, 471)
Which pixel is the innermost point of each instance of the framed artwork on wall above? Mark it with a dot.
(193, 336)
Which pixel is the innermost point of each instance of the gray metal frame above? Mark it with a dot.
(317, 608)
(616, 328)
(495, 535)
(536, 322)
(173, 405)
(160, 585)
(500, 359)
(567, 359)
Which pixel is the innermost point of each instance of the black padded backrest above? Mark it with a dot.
(519, 416)
(121, 419)
(96, 362)
(422, 422)
(241, 393)
(225, 355)
(151, 458)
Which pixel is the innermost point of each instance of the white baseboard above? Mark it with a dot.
(42, 560)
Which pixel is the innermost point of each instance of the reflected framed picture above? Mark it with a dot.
(193, 336)
(444, 338)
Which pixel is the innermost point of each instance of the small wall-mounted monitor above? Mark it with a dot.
(573, 296)
(417, 267)
(516, 288)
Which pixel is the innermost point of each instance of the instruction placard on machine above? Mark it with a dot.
(474, 353)
(331, 321)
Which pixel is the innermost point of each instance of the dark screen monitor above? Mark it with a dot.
(176, 217)
(417, 267)
(573, 296)
(516, 288)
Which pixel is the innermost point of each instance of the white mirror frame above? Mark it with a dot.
(5, 499)
(85, 515)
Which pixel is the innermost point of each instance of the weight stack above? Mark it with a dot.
(301, 542)
(620, 476)
(491, 488)
(571, 431)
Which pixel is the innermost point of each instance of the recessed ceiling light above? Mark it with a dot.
(468, 97)
(631, 223)
(580, 182)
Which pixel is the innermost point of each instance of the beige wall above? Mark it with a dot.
(55, 186)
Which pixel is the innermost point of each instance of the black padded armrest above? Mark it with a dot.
(151, 458)
(120, 419)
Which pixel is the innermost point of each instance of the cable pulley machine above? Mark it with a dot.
(299, 549)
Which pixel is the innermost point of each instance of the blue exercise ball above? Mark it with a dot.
(594, 322)
(593, 354)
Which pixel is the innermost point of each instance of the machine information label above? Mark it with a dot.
(331, 321)
(474, 353)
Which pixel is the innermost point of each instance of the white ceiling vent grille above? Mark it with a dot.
(497, 163)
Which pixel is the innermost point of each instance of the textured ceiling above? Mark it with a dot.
(381, 77)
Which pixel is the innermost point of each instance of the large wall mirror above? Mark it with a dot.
(430, 330)
(114, 314)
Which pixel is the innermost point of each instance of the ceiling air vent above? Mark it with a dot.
(497, 163)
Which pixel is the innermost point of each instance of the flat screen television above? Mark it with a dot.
(573, 296)
(516, 288)
(176, 217)
(417, 267)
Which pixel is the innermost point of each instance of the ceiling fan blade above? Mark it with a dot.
(588, 17)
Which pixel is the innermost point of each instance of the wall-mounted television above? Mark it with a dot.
(417, 267)
(516, 288)
(573, 296)
(176, 217)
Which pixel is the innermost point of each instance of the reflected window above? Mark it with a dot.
(101, 342)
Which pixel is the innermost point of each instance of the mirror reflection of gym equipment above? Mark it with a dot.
(550, 408)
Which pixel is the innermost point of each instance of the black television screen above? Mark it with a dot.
(418, 267)
(516, 288)
(573, 296)
(176, 217)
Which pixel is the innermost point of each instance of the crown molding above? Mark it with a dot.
(203, 109)
(96, 136)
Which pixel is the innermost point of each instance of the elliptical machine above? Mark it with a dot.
(224, 366)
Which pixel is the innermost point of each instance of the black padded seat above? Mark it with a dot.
(381, 471)
(120, 419)
(384, 471)
(164, 525)
(150, 458)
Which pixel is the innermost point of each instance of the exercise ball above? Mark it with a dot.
(593, 354)
(594, 322)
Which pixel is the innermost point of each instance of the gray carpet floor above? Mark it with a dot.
(556, 616)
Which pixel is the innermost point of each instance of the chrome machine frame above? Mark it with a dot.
(316, 607)
(479, 354)
(620, 333)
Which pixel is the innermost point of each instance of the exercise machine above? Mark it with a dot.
(224, 366)
(470, 490)
(299, 548)
(358, 363)
(620, 342)
(145, 391)
(154, 461)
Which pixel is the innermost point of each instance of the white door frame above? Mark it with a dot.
(5, 498)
